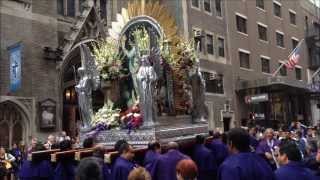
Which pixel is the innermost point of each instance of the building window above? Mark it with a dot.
(241, 24)
(283, 70)
(214, 83)
(277, 9)
(210, 44)
(265, 65)
(260, 4)
(218, 8)
(244, 59)
(262, 31)
(221, 47)
(292, 17)
(207, 5)
(294, 43)
(298, 73)
(60, 7)
(195, 3)
(71, 8)
(280, 39)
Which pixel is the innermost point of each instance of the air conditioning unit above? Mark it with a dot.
(198, 33)
(213, 75)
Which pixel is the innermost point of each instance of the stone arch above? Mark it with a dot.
(23, 117)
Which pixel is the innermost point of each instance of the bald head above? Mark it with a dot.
(173, 145)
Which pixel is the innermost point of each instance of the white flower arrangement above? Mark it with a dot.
(108, 58)
(107, 116)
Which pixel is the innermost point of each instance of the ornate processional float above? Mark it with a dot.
(150, 78)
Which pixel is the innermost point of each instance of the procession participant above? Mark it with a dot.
(139, 173)
(204, 159)
(267, 147)
(218, 148)
(243, 164)
(311, 140)
(153, 153)
(302, 143)
(166, 163)
(187, 170)
(36, 170)
(123, 164)
(89, 169)
(118, 144)
(88, 143)
(253, 139)
(6, 161)
(313, 162)
(290, 159)
(18, 154)
(51, 143)
(98, 152)
(65, 168)
(32, 146)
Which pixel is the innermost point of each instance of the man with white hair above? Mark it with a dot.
(268, 146)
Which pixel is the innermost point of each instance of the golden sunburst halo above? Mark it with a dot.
(151, 9)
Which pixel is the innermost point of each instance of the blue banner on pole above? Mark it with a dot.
(15, 67)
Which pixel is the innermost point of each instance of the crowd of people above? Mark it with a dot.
(239, 154)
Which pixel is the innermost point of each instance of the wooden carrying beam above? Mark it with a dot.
(55, 157)
(83, 153)
(42, 155)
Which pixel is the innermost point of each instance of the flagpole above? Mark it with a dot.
(276, 72)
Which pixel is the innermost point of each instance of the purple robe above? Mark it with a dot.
(245, 166)
(150, 157)
(165, 165)
(121, 169)
(65, 171)
(207, 165)
(36, 171)
(263, 146)
(254, 142)
(149, 161)
(219, 150)
(294, 171)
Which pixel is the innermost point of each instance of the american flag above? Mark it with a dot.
(294, 57)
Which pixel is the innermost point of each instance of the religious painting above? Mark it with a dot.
(15, 55)
(47, 114)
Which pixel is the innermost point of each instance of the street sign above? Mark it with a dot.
(256, 98)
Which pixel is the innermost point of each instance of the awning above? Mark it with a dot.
(270, 81)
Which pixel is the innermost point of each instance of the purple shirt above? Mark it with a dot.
(294, 171)
(165, 167)
(121, 169)
(245, 166)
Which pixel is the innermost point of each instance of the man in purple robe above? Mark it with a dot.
(154, 150)
(218, 148)
(123, 164)
(153, 153)
(243, 164)
(290, 159)
(267, 147)
(204, 158)
(165, 165)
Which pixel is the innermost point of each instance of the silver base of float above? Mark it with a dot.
(166, 129)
